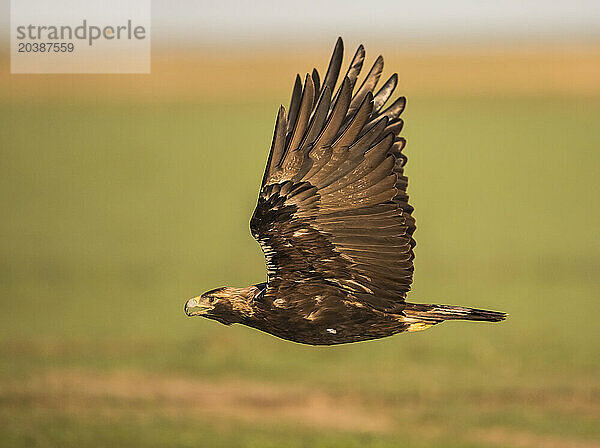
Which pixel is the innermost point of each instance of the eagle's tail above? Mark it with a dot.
(421, 316)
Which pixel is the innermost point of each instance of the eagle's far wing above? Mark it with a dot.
(333, 216)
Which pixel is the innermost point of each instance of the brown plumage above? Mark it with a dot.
(333, 220)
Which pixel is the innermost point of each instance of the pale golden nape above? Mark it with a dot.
(227, 304)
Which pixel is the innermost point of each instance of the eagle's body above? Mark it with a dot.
(333, 220)
(337, 320)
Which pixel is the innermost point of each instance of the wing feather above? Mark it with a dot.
(316, 81)
(335, 64)
(385, 92)
(277, 145)
(356, 65)
(295, 103)
(319, 117)
(357, 123)
(368, 84)
(305, 109)
(337, 115)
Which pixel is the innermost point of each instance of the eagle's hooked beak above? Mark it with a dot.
(196, 307)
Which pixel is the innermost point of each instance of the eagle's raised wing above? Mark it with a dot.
(333, 217)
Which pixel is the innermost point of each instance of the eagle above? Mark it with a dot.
(334, 221)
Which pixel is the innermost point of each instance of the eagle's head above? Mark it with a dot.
(226, 305)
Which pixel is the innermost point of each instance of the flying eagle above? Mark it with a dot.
(333, 220)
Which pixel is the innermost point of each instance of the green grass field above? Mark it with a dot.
(115, 213)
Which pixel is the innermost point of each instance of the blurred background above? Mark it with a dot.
(124, 195)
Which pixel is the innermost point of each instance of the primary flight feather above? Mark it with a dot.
(333, 220)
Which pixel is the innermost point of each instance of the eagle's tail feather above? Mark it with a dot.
(422, 316)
